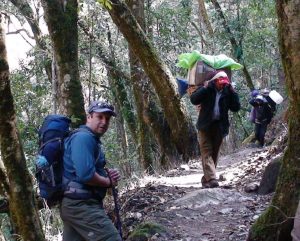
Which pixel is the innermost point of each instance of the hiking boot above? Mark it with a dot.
(210, 184)
(205, 185)
(213, 183)
(256, 145)
(204, 182)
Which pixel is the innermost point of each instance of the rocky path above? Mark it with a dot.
(187, 212)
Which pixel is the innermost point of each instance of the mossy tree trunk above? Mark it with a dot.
(126, 108)
(61, 18)
(151, 117)
(120, 92)
(182, 130)
(119, 96)
(21, 196)
(274, 223)
(139, 83)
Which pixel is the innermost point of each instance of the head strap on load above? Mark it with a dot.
(219, 74)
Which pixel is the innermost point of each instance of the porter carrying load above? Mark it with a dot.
(202, 67)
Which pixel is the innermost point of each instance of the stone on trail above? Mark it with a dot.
(184, 167)
(251, 187)
(213, 196)
(269, 179)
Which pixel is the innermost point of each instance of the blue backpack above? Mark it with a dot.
(49, 162)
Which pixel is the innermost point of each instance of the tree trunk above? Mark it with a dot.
(117, 91)
(275, 223)
(121, 133)
(204, 17)
(139, 80)
(182, 129)
(150, 113)
(61, 18)
(4, 186)
(152, 117)
(22, 199)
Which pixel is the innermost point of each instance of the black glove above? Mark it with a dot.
(229, 89)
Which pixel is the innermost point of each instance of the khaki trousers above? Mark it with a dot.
(210, 141)
(86, 220)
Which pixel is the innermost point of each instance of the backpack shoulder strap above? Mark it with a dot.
(51, 140)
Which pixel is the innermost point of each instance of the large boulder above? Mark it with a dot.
(269, 179)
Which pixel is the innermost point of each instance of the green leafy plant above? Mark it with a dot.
(105, 3)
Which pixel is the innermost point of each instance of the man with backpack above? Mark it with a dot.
(216, 98)
(87, 180)
(252, 113)
(264, 112)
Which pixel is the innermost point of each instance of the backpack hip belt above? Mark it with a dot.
(75, 190)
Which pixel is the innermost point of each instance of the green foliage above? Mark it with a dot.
(171, 20)
(105, 3)
(254, 26)
(30, 88)
(114, 154)
(95, 82)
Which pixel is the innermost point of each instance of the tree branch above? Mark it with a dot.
(226, 26)
(236, 47)
(28, 14)
(204, 17)
(101, 53)
(199, 32)
(19, 31)
(25, 39)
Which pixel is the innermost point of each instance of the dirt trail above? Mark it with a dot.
(190, 213)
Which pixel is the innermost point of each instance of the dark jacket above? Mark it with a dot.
(263, 109)
(205, 96)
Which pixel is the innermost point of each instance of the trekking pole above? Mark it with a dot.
(117, 207)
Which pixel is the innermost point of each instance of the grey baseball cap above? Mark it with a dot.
(101, 107)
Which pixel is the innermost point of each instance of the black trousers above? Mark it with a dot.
(260, 131)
